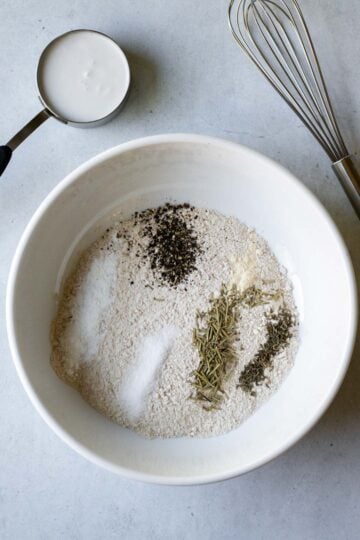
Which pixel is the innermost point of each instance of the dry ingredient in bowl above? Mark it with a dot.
(178, 321)
(279, 332)
(173, 246)
(215, 336)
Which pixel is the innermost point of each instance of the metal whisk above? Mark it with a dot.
(274, 35)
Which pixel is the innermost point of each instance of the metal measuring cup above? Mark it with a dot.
(7, 150)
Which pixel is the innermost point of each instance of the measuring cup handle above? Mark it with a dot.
(7, 150)
(5, 156)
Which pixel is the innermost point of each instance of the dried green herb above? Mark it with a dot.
(253, 297)
(214, 338)
(279, 328)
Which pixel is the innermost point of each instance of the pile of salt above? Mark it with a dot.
(139, 382)
(93, 298)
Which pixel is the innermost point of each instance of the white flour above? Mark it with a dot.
(102, 350)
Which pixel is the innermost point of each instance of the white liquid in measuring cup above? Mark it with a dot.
(83, 76)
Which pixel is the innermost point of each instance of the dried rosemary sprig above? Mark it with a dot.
(279, 328)
(214, 338)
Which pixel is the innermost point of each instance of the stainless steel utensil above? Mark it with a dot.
(48, 112)
(274, 35)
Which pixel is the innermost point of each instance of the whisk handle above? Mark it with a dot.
(349, 177)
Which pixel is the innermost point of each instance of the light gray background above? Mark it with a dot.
(188, 77)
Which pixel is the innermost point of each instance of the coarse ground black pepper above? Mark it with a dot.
(173, 245)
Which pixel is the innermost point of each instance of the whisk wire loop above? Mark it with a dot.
(293, 70)
(273, 33)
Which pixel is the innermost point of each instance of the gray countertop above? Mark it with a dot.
(188, 77)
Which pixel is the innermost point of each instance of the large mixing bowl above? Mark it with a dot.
(233, 180)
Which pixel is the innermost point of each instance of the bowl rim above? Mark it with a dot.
(10, 324)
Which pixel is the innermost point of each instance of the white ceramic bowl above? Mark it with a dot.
(215, 174)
